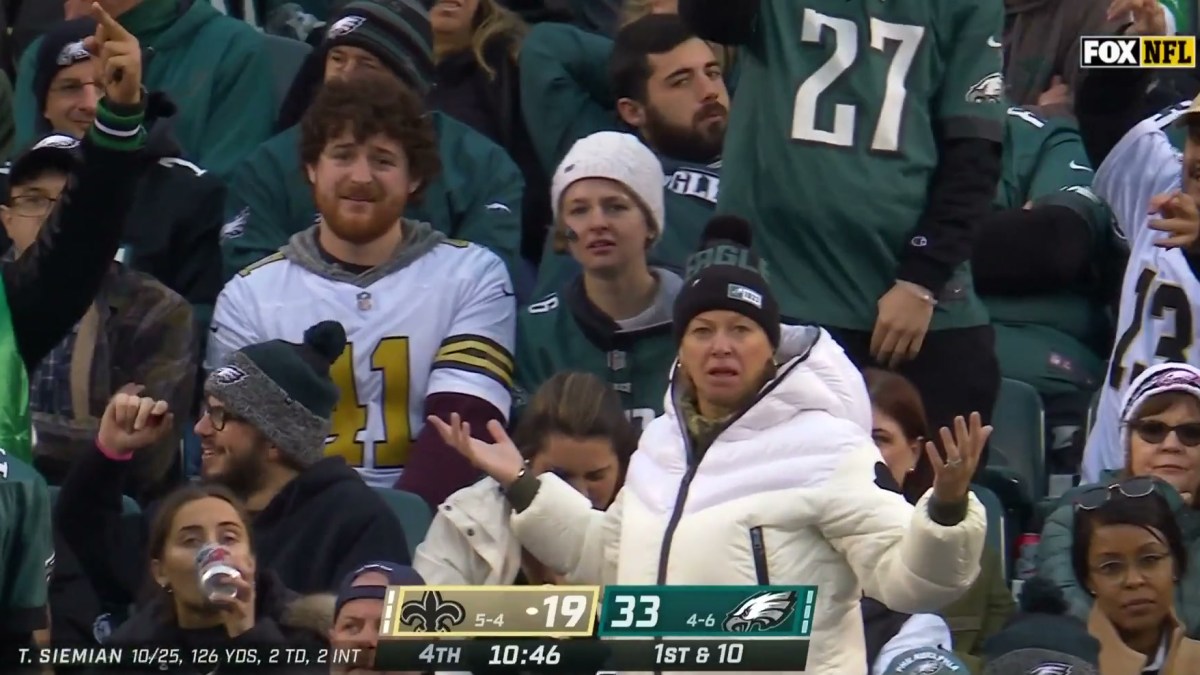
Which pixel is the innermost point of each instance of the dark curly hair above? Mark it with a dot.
(366, 105)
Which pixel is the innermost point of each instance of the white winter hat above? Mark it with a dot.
(619, 157)
(1155, 380)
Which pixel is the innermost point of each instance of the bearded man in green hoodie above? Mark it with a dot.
(213, 67)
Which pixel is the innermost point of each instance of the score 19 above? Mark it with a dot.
(635, 611)
(573, 608)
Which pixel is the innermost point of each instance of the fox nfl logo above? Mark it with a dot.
(1137, 52)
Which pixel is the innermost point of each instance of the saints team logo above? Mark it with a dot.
(761, 611)
(988, 90)
(432, 613)
(344, 26)
(228, 375)
(72, 53)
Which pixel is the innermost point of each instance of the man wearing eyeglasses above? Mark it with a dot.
(136, 330)
(173, 228)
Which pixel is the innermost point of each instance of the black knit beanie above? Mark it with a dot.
(284, 390)
(61, 47)
(1042, 637)
(397, 32)
(726, 274)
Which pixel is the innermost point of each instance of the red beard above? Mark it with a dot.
(364, 227)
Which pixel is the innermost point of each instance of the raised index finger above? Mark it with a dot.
(112, 29)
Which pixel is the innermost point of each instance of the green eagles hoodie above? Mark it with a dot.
(476, 197)
(1054, 342)
(566, 96)
(216, 69)
(565, 331)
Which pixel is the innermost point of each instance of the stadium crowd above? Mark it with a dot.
(888, 298)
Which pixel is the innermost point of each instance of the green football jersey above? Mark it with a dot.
(1052, 341)
(831, 145)
(26, 545)
(564, 331)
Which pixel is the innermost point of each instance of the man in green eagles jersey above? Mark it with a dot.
(655, 78)
(864, 146)
(1039, 265)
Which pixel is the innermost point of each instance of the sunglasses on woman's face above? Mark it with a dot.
(1134, 488)
(1155, 431)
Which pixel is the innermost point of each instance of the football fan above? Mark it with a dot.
(613, 320)
(429, 320)
(1152, 188)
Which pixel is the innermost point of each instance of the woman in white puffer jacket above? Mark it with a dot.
(757, 473)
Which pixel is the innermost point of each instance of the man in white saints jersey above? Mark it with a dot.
(1152, 188)
(430, 321)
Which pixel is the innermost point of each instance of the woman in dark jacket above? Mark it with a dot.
(475, 45)
(192, 632)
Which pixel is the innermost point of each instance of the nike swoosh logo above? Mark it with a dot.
(994, 43)
(1079, 167)
(507, 294)
(497, 206)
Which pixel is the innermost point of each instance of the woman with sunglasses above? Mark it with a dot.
(1129, 554)
(1161, 432)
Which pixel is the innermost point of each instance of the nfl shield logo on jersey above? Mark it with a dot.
(343, 26)
(987, 90)
(228, 375)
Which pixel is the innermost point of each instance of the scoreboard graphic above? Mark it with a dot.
(589, 629)
(490, 611)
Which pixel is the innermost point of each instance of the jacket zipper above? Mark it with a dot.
(759, 550)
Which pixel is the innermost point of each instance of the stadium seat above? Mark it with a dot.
(1091, 413)
(414, 514)
(129, 505)
(1019, 439)
(996, 536)
(286, 57)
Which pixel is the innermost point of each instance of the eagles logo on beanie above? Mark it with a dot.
(61, 47)
(397, 32)
(283, 389)
(726, 274)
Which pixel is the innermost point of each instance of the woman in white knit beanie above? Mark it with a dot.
(613, 319)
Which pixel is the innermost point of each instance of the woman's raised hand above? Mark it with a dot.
(500, 460)
(952, 477)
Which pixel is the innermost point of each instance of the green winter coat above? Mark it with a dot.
(566, 96)
(1055, 342)
(477, 196)
(565, 331)
(1054, 553)
(216, 69)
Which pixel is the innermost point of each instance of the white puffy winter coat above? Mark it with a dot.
(798, 472)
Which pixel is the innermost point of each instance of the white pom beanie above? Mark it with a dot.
(1155, 380)
(619, 157)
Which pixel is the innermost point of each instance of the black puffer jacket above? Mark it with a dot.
(284, 620)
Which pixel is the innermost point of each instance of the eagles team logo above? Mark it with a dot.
(432, 613)
(760, 612)
(236, 227)
(344, 26)
(1053, 669)
(228, 375)
(72, 53)
(987, 90)
(57, 142)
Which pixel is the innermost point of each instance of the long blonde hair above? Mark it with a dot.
(493, 21)
(632, 10)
